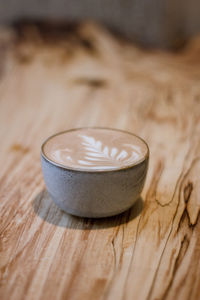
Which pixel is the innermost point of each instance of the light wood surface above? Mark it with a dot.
(87, 77)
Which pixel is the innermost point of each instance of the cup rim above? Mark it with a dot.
(122, 168)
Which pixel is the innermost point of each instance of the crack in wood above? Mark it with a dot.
(180, 256)
(187, 194)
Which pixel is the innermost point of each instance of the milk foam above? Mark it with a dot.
(95, 149)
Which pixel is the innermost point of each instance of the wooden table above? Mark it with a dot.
(83, 77)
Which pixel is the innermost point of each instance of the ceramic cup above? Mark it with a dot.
(94, 193)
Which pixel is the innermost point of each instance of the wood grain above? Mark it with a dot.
(87, 77)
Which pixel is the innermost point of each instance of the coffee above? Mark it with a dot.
(95, 149)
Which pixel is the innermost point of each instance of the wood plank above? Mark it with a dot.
(88, 77)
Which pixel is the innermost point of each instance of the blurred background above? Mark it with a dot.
(154, 23)
(132, 65)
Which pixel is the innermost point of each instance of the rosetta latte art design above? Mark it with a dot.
(94, 154)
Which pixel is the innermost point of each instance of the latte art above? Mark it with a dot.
(95, 149)
(95, 153)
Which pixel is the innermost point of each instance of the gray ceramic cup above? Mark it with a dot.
(94, 194)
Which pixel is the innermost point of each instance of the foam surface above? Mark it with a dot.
(95, 149)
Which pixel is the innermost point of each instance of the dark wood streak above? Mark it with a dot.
(69, 36)
(172, 198)
(187, 191)
(151, 193)
(180, 256)
(91, 82)
(19, 148)
(165, 246)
